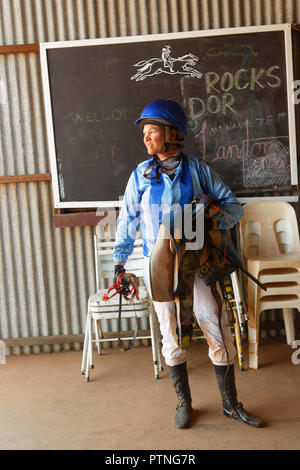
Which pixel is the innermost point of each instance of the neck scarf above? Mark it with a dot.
(170, 164)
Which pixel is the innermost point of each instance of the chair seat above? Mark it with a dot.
(277, 289)
(96, 300)
(288, 260)
(280, 260)
(113, 314)
(279, 276)
(279, 301)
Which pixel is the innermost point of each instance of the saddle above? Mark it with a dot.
(175, 261)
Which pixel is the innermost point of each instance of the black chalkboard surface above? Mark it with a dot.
(233, 88)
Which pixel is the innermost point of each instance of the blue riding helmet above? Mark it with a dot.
(166, 111)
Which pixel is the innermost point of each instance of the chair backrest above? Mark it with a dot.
(269, 228)
(105, 266)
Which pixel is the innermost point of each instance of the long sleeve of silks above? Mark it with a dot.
(128, 221)
(219, 190)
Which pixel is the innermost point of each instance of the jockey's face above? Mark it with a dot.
(154, 139)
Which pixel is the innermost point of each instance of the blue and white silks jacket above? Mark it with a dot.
(146, 201)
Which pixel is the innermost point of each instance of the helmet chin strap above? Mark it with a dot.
(166, 147)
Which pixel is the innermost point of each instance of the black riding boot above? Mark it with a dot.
(179, 378)
(231, 407)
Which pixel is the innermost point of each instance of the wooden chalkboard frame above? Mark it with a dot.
(44, 47)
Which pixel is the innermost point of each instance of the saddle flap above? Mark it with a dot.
(163, 267)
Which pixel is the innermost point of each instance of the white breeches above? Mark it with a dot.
(206, 313)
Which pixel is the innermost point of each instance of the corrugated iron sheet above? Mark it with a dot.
(33, 21)
(48, 273)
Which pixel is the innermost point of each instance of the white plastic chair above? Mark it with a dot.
(99, 310)
(271, 252)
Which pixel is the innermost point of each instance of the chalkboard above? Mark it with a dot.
(232, 84)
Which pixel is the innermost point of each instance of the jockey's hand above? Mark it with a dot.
(119, 268)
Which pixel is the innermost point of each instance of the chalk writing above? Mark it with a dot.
(265, 160)
(220, 90)
(74, 71)
(252, 79)
(103, 115)
(233, 150)
(117, 157)
(256, 122)
(271, 169)
(202, 133)
(268, 163)
(234, 49)
(197, 107)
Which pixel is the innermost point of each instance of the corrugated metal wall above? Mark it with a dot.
(47, 273)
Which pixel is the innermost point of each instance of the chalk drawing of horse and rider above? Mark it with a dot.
(167, 64)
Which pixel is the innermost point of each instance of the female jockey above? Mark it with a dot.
(170, 178)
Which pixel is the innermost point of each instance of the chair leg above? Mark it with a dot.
(100, 334)
(90, 347)
(288, 317)
(97, 336)
(253, 324)
(87, 363)
(87, 370)
(253, 337)
(85, 345)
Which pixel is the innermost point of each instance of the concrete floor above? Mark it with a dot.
(45, 404)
